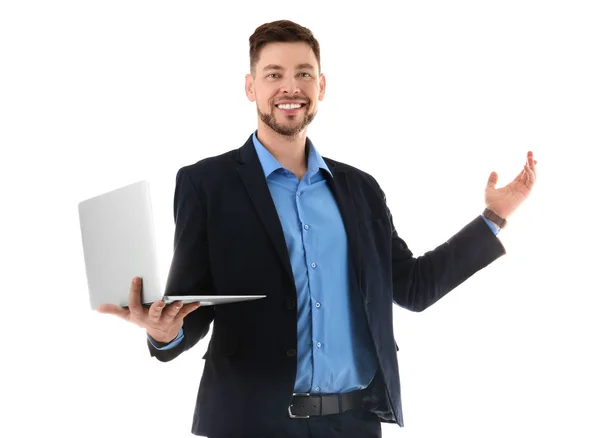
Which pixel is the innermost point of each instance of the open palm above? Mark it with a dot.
(505, 200)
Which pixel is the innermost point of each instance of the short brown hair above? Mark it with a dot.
(282, 31)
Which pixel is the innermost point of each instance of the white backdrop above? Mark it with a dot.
(429, 97)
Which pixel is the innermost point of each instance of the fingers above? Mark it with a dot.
(527, 176)
(187, 309)
(531, 162)
(113, 309)
(156, 309)
(530, 176)
(160, 312)
(530, 168)
(135, 300)
(492, 180)
(172, 310)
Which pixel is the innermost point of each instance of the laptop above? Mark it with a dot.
(117, 232)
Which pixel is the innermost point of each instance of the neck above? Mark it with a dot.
(288, 150)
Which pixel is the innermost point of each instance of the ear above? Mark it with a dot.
(322, 86)
(250, 88)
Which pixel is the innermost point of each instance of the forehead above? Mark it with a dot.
(287, 55)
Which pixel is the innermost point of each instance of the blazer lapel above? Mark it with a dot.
(341, 191)
(254, 180)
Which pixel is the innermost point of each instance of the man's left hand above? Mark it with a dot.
(504, 201)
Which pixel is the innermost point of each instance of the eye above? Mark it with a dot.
(307, 75)
(273, 75)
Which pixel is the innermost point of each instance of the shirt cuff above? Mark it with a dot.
(491, 225)
(174, 343)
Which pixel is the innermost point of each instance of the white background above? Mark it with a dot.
(428, 96)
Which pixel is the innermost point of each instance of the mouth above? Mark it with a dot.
(290, 108)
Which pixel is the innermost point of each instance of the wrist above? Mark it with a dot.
(161, 341)
(494, 218)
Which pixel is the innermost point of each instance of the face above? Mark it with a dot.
(286, 86)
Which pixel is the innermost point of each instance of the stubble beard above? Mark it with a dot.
(286, 130)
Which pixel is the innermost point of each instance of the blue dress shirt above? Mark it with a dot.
(335, 350)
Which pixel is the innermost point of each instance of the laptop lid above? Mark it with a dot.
(117, 231)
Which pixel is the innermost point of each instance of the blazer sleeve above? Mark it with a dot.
(189, 273)
(420, 282)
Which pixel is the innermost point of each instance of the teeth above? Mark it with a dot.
(289, 106)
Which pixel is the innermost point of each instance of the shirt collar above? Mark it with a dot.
(270, 164)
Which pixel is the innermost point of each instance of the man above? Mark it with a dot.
(317, 356)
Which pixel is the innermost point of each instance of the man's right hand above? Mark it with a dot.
(162, 322)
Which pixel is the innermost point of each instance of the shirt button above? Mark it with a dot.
(297, 193)
(317, 389)
(291, 352)
(318, 345)
(317, 305)
(313, 265)
(306, 227)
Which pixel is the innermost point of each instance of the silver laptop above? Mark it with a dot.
(117, 231)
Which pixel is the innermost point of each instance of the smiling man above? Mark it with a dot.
(298, 110)
(317, 356)
(286, 84)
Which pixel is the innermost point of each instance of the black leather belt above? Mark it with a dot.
(306, 405)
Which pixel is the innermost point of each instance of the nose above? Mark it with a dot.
(290, 86)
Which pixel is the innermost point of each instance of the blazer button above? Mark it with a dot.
(290, 304)
(291, 352)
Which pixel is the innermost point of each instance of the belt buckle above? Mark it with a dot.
(301, 394)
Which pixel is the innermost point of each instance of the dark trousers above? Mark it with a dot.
(350, 424)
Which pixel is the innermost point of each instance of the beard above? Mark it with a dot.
(287, 130)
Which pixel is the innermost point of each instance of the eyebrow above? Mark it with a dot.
(298, 67)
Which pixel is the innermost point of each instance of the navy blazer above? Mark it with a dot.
(229, 241)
